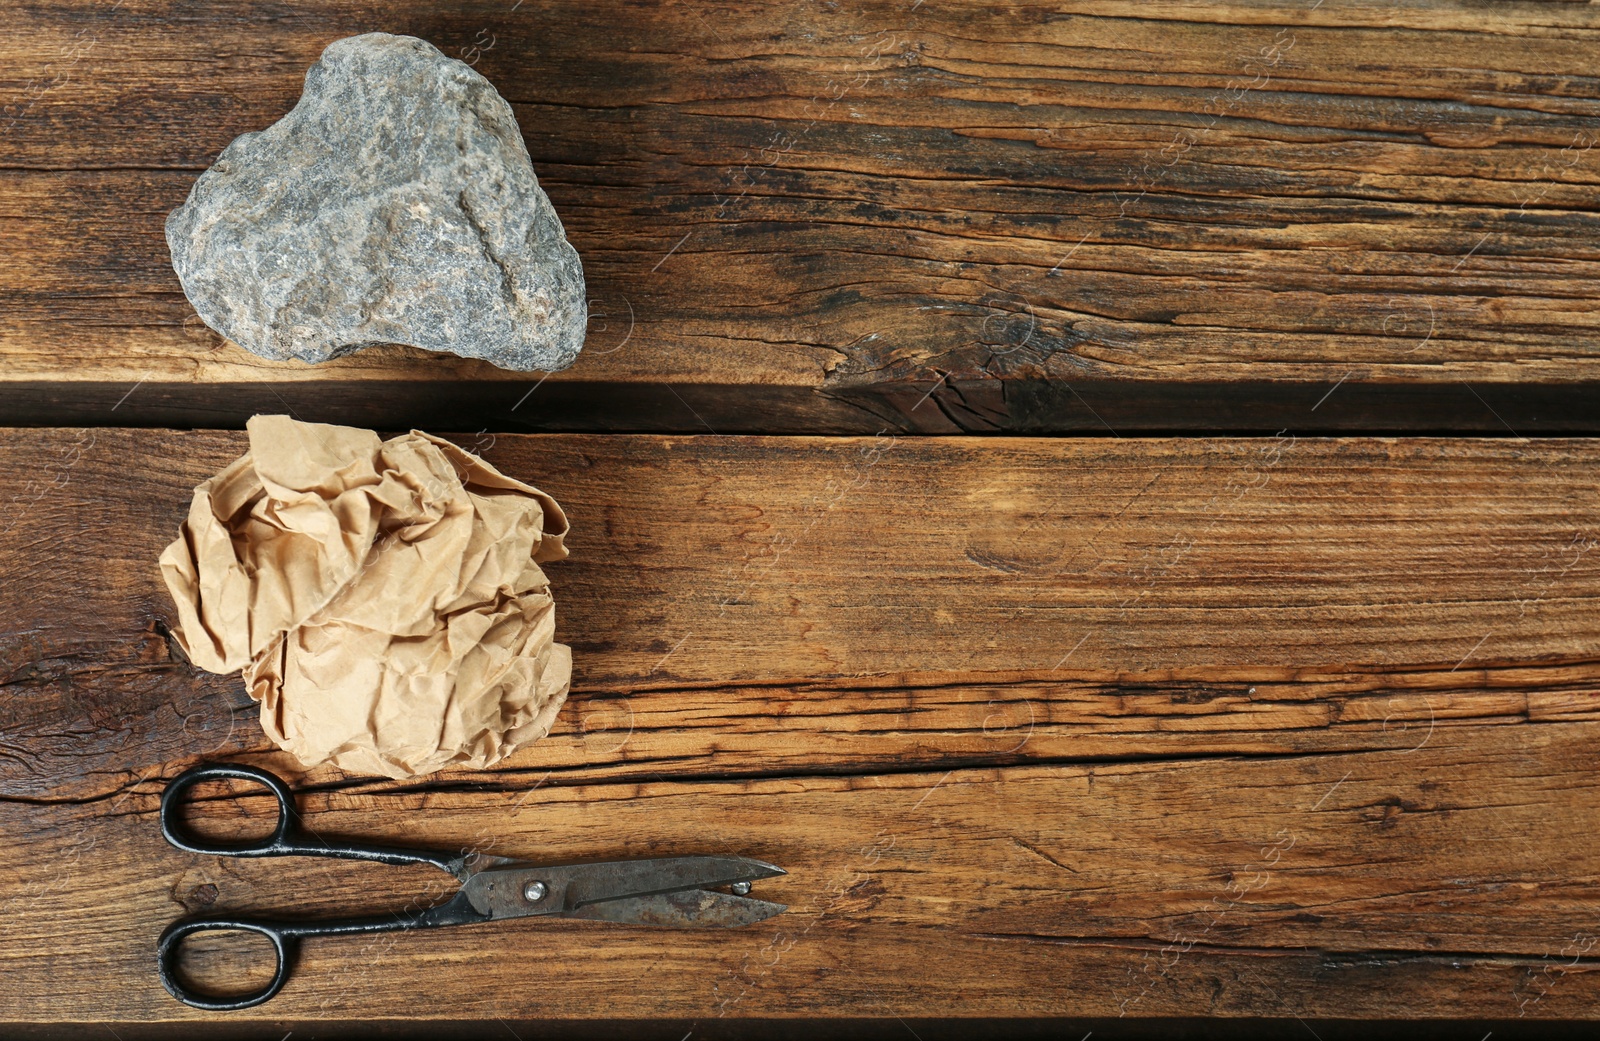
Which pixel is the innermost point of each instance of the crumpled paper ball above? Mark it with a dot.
(384, 598)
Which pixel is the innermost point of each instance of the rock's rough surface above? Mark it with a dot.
(395, 204)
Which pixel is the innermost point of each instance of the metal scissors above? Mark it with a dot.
(671, 891)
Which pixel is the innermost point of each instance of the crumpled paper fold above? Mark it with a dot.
(384, 598)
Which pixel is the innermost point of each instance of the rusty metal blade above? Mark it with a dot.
(685, 909)
(592, 883)
(522, 889)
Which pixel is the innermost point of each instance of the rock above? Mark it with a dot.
(395, 204)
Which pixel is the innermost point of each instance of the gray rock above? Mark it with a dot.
(395, 204)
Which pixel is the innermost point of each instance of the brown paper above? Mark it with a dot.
(384, 598)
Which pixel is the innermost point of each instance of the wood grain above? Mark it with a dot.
(973, 217)
(1245, 727)
(1223, 887)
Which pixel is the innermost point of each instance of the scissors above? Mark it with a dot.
(671, 891)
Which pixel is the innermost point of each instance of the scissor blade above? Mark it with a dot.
(684, 909)
(592, 883)
(520, 889)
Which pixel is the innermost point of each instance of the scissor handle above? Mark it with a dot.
(276, 844)
(288, 837)
(285, 937)
(167, 958)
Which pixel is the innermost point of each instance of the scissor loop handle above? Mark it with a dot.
(174, 936)
(283, 839)
(289, 837)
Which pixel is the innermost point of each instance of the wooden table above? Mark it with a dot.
(1256, 679)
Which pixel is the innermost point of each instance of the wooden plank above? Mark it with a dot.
(1278, 888)
(1019, 216)
(942, 576)
(1040, 728)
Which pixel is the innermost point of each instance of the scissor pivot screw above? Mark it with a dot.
(534, 892)
(740, 888)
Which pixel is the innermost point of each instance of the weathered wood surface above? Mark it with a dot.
(1040, 728)
(833, 217)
